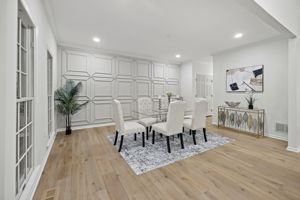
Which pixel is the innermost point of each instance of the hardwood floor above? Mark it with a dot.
(86, 166)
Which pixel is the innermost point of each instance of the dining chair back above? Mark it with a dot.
(145, 107)
(199, 114)
(118, 116)
(175, 117)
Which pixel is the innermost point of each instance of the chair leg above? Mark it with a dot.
(168, 144)
(153, 136)
(135, 137)
(178, 135)
(143, 136)
(121, 143)
(190, 132)
(181, 140)
(204, 133)
(182, 129)
(147, 133)
(150, 129)
(116, 138)
(194, 137)
(161, 135)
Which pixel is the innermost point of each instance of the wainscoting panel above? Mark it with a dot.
(101, 112)
(105, 78)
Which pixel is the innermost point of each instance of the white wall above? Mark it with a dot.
(8, 55)
(186, 76)
(274, 57)
(44, 40)
(108, 77)
(288, 14)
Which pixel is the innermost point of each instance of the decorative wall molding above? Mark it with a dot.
(105, 78)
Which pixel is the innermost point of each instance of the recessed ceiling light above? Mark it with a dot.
(96, 39)
(238, 35)
(177, 55)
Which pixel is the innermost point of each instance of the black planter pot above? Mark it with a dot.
(250, 107)
(68, 130)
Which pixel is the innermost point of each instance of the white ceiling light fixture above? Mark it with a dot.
(96, 39)
(177, 55)
(238, 35)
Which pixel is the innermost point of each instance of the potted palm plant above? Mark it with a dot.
(67, 104)
(250, 100)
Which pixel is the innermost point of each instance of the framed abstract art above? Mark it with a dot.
(245, 79)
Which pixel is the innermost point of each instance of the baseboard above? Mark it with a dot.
(293, 149)
(278, 137)
(34, 180)
(87, 126)
(91, 126)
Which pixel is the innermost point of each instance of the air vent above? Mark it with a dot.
(280, 127)
(50, 194)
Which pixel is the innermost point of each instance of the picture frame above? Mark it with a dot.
(244, 79)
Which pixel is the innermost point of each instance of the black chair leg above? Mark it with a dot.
(147, 133)
(135, 137)
(150, 129)
(178, 135)
(190, 132)
(121, 143)
(204, 133)
(181, 140)
(194, 137)
(161, 135)
(143, 137)
(153, 137)
(168, 144)
(182, 129)
(116, 138)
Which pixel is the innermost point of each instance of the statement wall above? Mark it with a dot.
(105, 78)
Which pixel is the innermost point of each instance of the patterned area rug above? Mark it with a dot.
(144, 159)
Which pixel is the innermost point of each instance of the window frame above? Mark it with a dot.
(50, 93)
(24, 101)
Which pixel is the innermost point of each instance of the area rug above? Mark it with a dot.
(144, 159)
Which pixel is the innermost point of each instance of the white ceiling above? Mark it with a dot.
(157, 28)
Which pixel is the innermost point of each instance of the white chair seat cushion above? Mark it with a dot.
(160, 127)
(188, 117)
(133, 127)
(187, 123)
(147, 121)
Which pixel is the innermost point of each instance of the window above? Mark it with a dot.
(50, 94)
(24, 106)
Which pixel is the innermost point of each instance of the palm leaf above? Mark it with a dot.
(66, 99)
(75, 90)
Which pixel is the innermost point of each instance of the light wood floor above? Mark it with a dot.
(86, 166)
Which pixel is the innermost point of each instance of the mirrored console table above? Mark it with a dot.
(242, 119)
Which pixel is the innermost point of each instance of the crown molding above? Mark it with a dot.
(115, 53)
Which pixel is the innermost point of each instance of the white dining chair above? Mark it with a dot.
(173, 125)
(191, 116)
(145, 113)
(125, 128)
(198, 119)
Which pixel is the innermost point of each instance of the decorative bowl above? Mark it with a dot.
(232, 104)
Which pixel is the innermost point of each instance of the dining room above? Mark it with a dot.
(139, 99)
